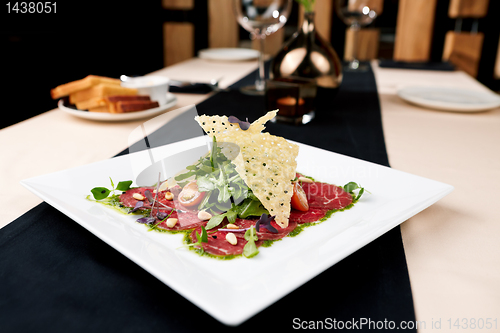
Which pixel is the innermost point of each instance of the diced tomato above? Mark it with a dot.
(299, 198)
(190, 196)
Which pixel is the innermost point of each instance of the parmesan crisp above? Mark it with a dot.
(265, 162)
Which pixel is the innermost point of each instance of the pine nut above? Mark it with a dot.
(171, 222)
(231, 238)
(204, 215)
(232, 226)
(138, 196)
(169, 196)
(305, 180)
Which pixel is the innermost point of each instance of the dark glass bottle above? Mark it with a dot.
(308, 55)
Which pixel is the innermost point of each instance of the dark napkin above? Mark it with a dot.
(425, 65)
(197, 88)
(55, 276)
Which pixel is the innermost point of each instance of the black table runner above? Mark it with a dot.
(55, 276)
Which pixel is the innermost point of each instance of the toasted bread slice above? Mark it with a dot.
(103, 108)
(100, 90)
(112, 100)
(85, 83)
(91, 103)
(132, 106)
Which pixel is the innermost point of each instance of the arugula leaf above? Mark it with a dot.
(184, 176)
(224, 195)
(250, 207)
(205, 184)
(250, 249)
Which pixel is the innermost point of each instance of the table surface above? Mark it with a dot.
(452, 248)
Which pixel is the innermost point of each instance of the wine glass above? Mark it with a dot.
(356, 14)
(261, 18)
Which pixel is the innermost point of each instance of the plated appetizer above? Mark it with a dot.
(246, 193)
(102, 94)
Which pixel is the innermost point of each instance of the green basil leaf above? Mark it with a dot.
(250, 235)
(124, 186)
(100, 192)
(250, 249)
(215, 221)
(231, 216)
(350, 187)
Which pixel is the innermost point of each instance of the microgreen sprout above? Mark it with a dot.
(146, 220)
(137, 206)
(162, 216)
(265, 222)
(351, 187)
(203, 238)
(100, 193)
(150, 219)
(250, 249)
(149, 196)
(244, 125)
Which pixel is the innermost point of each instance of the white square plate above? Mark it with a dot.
(394, 197)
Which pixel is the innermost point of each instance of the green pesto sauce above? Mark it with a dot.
(114, 202)
(188, 241)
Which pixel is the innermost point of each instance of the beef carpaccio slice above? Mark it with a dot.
(217, 244)
(322, 197)
(326, 196)
(312, 215)
(186, 219)
(263, 233)
(128, 200)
